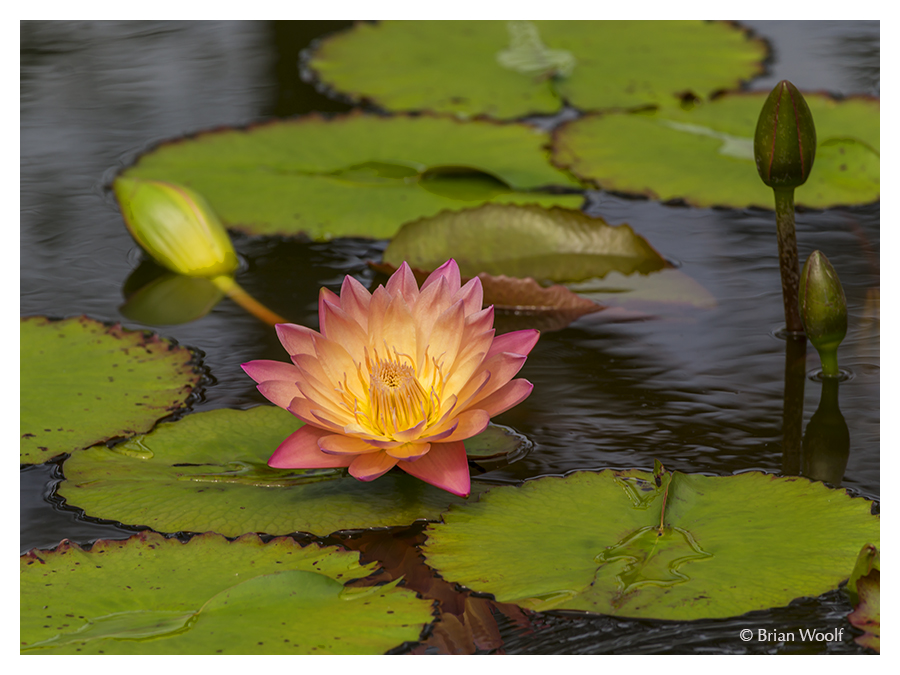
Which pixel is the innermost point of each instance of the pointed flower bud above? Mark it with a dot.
(823, 309)
(785, 140)
(176, 226)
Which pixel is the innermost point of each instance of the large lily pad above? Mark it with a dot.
(208, 471)
(510, 69)
(152, 595)
(357, 175)
(704, 155)
(83, 382)
(550, 245)
(665, 546)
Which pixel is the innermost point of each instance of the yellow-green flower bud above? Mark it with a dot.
(176, 226)
(785, 140)
(823, 309)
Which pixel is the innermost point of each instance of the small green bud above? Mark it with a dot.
(176, 226)
(823, 309)
(785, 140)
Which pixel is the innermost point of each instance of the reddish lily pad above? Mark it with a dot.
(208, 471)
(152, 595)
(83, 382)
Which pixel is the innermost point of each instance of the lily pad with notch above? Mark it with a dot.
(704, 156)
(653, 545)
(153, 595)
(508, 69)
(83, 382)
(208, 471)
(358, 175)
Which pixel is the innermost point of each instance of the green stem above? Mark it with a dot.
(788, 259)
(792, 420)
(231, 288)
(829, 363)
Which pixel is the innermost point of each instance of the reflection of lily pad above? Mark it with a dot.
(554, 245)
(356, 175)
(592, 541)
(510, 69)
(84, 383)
(208, 471)
(151, 595)
(705, 155)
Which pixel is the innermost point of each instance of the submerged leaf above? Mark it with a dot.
(638, 544)
(550, 245)
(152, 595)
(356, 175)
(83, 382)
(209, 471)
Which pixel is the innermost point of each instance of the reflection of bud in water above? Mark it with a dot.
(785, 141)
(176, 226)
(826, 443)
(160, 298)
(823, 309)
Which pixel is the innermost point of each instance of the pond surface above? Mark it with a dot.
(699, 388)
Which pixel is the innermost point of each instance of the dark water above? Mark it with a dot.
(698, 388)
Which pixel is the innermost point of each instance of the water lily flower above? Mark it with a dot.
(399, 377)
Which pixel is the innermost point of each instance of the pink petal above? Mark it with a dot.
(279, 392)
(355, 301)
(264, 370)
(377, 310)
(312, 413)
(447, 334)
(517, 342)
(403, 282)
(371, 465)
(329, 298)
(450, 271)
(338, 327)
(509, 395)
(472, 295)
(409, 451)
(337, 444)
(445, 466)
(398, 331)
(295, 339)
(469, 423)
(503, 367)
(301, 450)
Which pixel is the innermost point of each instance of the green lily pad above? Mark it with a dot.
(357, 175)
(507, 69)
(83, 382)
(704, 156)
(208, 471)
(551, 245)
(152, 595)
(594, 542)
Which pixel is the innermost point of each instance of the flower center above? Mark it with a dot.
(396, 399)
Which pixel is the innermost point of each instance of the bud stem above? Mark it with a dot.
(231, 288)
(787, 258)
(829, 363)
